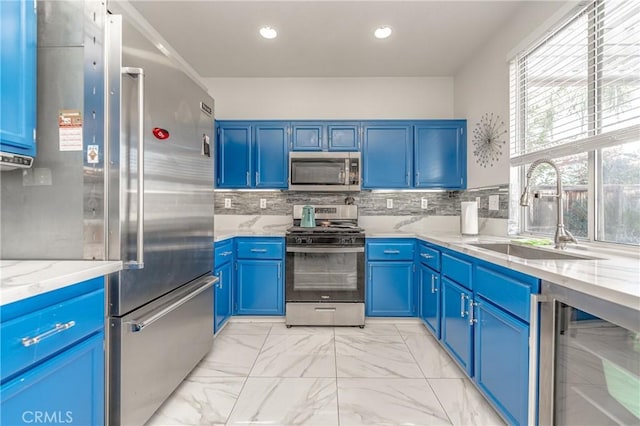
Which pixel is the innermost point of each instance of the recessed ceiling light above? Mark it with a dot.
(382, 32)
(268, 32)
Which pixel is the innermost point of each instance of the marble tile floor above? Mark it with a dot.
(385, 374)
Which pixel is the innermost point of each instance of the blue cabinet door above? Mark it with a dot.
(429, 281)
(386, 155)
(259, 287)
(234, 155)
(68, 388)
(222, 295)
(502, 360)
(440, 151)
(271, 155)
(389, 290)
(457, 332)
(308, 136)
(18, 47)
(343, 136)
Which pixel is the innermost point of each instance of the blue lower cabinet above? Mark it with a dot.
(66, 389)
(389, 291)
(457, 331)
(502, 360)
(429, 283)
(259, 287)
(222, 295)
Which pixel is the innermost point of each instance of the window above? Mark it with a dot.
(575, 99)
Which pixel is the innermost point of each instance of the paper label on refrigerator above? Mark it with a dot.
(93, 154)
(70, 130)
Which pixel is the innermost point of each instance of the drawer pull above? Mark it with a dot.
(28, 341)
(426, 256)
(325, 309)
(258, 250)
(392, 252)
(226, 253)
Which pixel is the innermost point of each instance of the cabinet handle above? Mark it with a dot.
(219, 283)
(278, 271)
(226, 253)
(392, 252)
(59, 327)
(257, 178)
(406, 178)
(436, 278)
(462, 305)
(433, 283)
(426, 256)
(472, 320)
(248, 183)
(254, 250)
(417, 177)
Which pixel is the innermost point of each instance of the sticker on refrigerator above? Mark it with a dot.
(206, 145)
(93, 154)
(70, 130)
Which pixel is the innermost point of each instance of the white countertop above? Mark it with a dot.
(21, 279)
(615, 277)
(225, 234)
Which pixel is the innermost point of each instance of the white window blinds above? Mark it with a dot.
(579, 89)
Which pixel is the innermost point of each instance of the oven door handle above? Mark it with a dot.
(297, 249)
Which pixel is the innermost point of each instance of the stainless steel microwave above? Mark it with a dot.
(324, 171)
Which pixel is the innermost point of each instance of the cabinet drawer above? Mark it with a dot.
(223, 252)
(390, 250)
(429, 257)
(457, 269)
(504, 291)
(260, 249)
(31, 338)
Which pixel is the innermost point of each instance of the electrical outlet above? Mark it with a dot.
(389, 203)
(424, 203)
(494, 202)
(263, 203)
(227, 203)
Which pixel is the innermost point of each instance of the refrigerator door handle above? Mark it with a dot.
(139, 325)
(139, 262)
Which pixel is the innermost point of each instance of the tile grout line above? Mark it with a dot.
(247, 377)
(425, 376)
(335, 355)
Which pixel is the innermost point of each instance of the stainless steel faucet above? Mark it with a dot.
(562, 236)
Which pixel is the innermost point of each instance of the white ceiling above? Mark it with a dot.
(326, 38)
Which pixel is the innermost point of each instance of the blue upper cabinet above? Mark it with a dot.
(440, 152)
(18, 38)
(344, 136)
(252, 154)
(271, 154)
(234, 155)
(386, 155)
(308, 136)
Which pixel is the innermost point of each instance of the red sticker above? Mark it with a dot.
(161, 134)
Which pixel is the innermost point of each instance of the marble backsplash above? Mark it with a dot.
(370, 203)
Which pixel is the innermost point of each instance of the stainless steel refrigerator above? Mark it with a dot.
(132, 181)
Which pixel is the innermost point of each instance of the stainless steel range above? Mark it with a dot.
(325, 268)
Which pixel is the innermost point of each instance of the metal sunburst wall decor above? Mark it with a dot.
(488, 140)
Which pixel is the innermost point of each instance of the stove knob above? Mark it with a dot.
(309, 240)
(298, 240)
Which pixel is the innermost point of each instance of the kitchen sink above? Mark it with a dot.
(527, 252)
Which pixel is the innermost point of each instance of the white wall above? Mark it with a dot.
(482, 84)
(332, 98)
